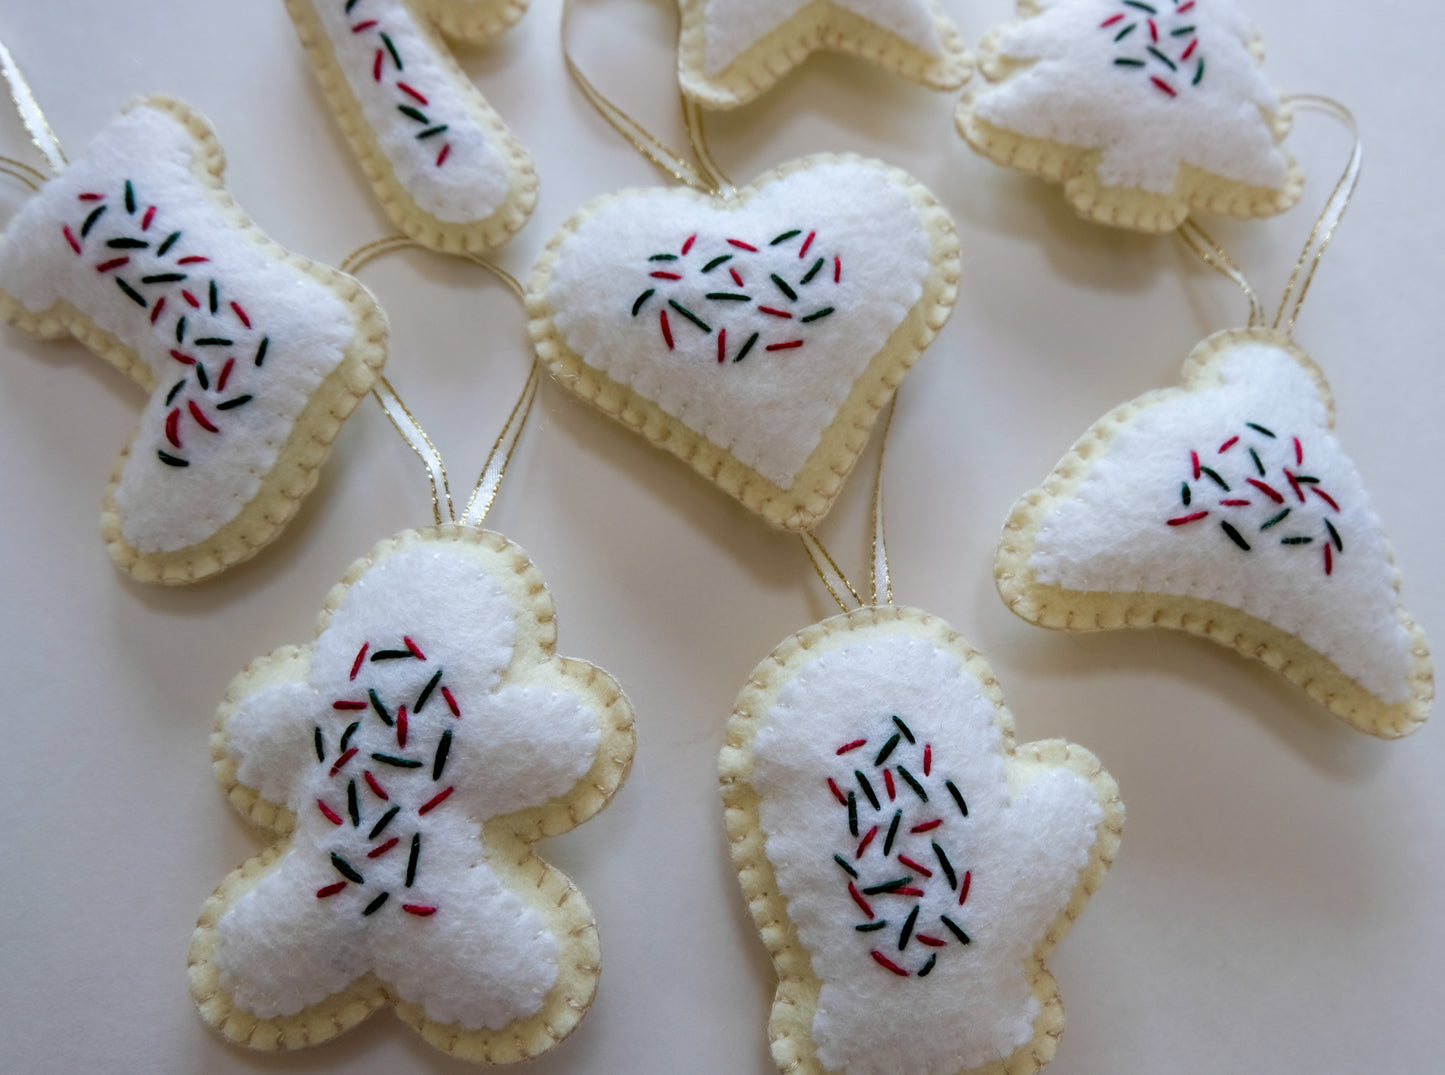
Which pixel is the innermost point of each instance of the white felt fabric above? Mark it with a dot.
(1078, 95)
(1022, 852)
(1112, 534)
(769, 409)
(471, 183)
(734, 26)
(164, 507)
(482, 958)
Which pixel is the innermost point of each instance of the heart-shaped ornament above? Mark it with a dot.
(908, 864)
(1228, 509)
(755, 337)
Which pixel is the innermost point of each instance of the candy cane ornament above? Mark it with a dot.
(442, 163)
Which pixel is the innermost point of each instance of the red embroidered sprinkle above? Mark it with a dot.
(666, 276)
(932, 942)
(1188, 518)
(173, 422)
(1295, 485)
(775, 312)
(863, 844)
(70, 238)
(157, 308)
(419, 910)
(837, 270)
(1329, 560)
(963, 890)
(113, 263)
(807, 243)
(927, 759)
(927, 826)
(907, 892)
(837, 793)
(89, 197)
(785, 346)
(860, 901)
(360, 656)
(1112, 20)
(740, 245)
(687, 246)
(666, 328)
(444, 154)
(194, 302)
(330, 814)
(348, 705)
(722, 345)
(451, 702)
(888, 783)
(884, 961)
(340, 762)
(1299, 453)
(240, 313)
(362, 26)
(1185, 7)
(145, 221)
(376, 66)
(1194, 456)
(1153, 30)
(412, 646)
(1163, 85)
(1235, 503)
(410, 92)
(737, 277)
(376, 789)
(200, 417)
(401, 724)
(330, 890)
(182, 358)
(1230, 443)
(1268, 491)
(377, 852)
(1190, 50)
(915, 866)
(194, 259)
(435, 801)
(225, 374)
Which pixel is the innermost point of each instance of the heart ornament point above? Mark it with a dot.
(755, 337)
(909, 865)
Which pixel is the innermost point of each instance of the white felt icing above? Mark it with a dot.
(166, 507)
(1112, 534)
(482, 958)
(471, 181)
(769, 409)
(1022, 853)
(1078, 93)
(734, 26)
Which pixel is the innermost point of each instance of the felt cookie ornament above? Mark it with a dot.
(754, 334)
(442, 163)
(407, 761)
(909, 865)
(733, 50)
(1143, 111)
(253, 356)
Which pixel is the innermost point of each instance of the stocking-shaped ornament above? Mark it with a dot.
(909, 865)
(1228, 509)
(1143, 111)
(253, 356)
(441, 161)
(733, 50)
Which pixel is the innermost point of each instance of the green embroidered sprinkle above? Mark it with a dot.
(1124, 61)
(129, 197)
(1335, 536)
(1214, 477)
(130, 292)
(1277, 519)
(1258, 465)
(887, 886)
(786, 236)
(912, 783)
(1160, 56)
(744, 354)
(715, 262)
(413, 113)
(813, 271)
(663, 257)
(1260, 429)
(869, 927)
(1185, 494)
(818, 316)
(438, 129)
(1298, 541)
(1199, 74)
(784, 288)
(1182, 31)
(637, 306)
(169, 242)
(1125, 32)
(391, 48)
(1235, 536)
(724, 296)
(841, 861)
(699, 322)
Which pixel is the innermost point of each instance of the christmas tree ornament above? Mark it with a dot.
(442, 163)
(731, 51)
(753, 333)
(253, 356)
(908, 863)
(1142, 111)
(1227, 508)
(407, 761)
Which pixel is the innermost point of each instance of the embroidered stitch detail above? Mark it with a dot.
(386, 62)
(1159, 40)
(895, 881)
(1259, 497)
(702, 300)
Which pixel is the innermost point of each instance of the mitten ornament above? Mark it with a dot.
(444, 166)
(252, 355)
(733, 50)
(909, 865)
(1143, 111)
(408, 759)
(755, 336)
(1228, 509)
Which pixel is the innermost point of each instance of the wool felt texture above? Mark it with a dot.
(1228, 508)
(1142, 111)
(755, 337)
(908, 865)
(410, 757)
(445, 167)
(253, 356)
(733, 50)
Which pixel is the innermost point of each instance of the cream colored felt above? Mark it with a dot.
(756, 337)
(915, 944)
(1227, 508)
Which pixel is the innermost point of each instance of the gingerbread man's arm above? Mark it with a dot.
(268, 726)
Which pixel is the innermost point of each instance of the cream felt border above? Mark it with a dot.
(819, 25)
(297, 465)
(1074, 610)
(507, 840)
(796, 998)
(433, 18)
(1076, 167)
(802, 504)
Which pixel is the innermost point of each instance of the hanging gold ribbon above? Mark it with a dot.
(1214, 255)
(31, 114)
(705, 176)
(411, 431)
